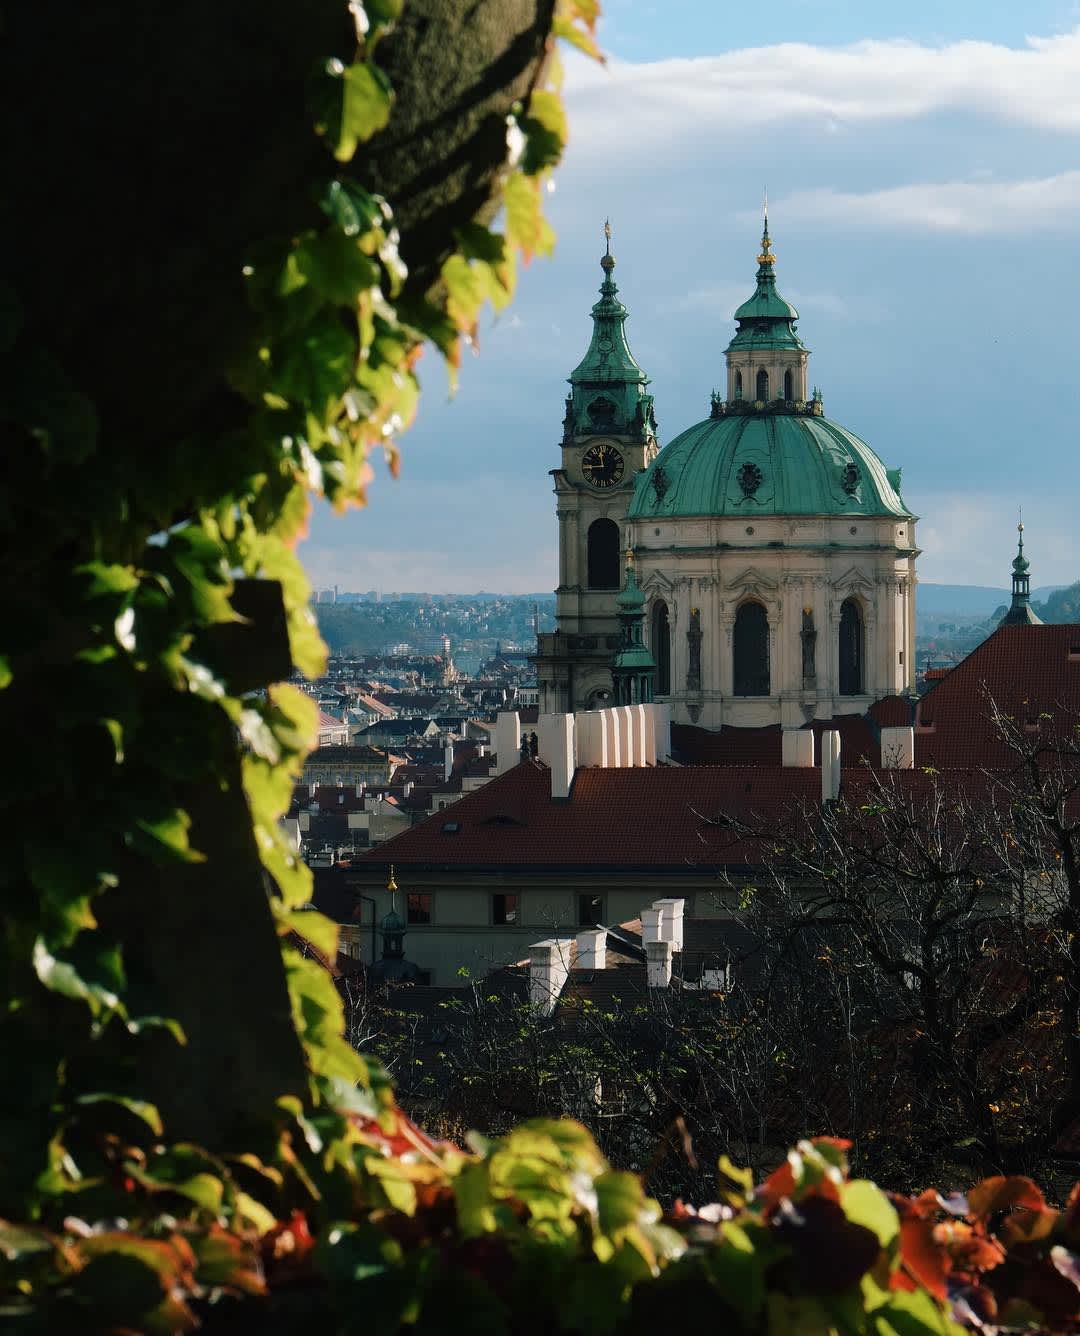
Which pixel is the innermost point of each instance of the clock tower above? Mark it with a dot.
(609, 436)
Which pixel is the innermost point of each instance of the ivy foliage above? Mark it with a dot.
(153, 603)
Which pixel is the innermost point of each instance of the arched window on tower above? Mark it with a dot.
(789, 385)
(762, 386)
(602, 559)
(851, 648)
(750, 651)
(661, 647)
(738, 384)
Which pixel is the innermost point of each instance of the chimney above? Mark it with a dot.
(612, 742)
(592, 949)
(590, 738)
(898, 748)
(661, 711)
(658, 963)
(625, 731)
(652, 924)
(671, 921)
(797, 748)
(448, 759)
(830, 765)
(507, 740)
(560, 744)
(549, 965)
(648, 724)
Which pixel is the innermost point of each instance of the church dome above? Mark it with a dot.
(767, 463)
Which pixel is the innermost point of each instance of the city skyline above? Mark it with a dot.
(922, 195)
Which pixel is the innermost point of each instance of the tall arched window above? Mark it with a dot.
(661, 647)
(738, 384)
(851, 648)
(762, 385)
(602, 560)
(789, 385)
(750, 651)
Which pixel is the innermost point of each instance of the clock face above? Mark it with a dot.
(602, 465)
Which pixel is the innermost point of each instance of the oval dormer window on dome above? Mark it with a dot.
(851, 478)
(749, 479)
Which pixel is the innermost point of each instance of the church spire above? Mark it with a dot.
(1020, 610)
(608, 391)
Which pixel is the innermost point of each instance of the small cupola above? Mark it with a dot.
(393, 966)
(766, 360)
(1020, 610)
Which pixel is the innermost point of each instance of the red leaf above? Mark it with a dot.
(925, 1263)
(999, 1194)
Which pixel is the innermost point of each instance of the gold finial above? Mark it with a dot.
(391, 885)
(629, 556)
(766, 256)
(607, 260)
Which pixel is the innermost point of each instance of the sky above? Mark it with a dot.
(923, 170)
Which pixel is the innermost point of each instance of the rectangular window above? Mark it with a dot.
(590, 910)
(504, 910)
(418, 907)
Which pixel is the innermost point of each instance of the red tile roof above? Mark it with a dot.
(649, 817)
(1026, 670)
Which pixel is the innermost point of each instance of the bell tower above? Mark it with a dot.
(609, 436)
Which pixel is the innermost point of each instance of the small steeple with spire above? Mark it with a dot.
(766, 358)
(608, 388)
(633, 668)
(1020, 610)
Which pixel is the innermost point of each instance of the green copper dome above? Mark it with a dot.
(767, 464)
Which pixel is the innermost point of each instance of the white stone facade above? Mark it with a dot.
(787, 564)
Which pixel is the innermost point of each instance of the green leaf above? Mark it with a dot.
(5, 672)
(168, 835)
(336, 267)
(61, 976)
(204, 1190)
(865, 1204)
(620, 1201)
(141, 1108)
(544, 127)
(472, 1196)
(365, 106)
(913, 1313)
(253, 1213)
(315, 928)
(16, 1241)
(353, 209)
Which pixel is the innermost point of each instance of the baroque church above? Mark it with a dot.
(769, 572)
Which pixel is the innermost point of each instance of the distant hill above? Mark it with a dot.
(969, 600)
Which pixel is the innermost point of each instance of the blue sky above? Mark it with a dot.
(924, 187)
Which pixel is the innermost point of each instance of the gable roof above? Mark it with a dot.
(646, 817)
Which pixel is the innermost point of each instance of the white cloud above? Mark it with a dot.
(973, 208)
(823, 86)
(970, 538)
